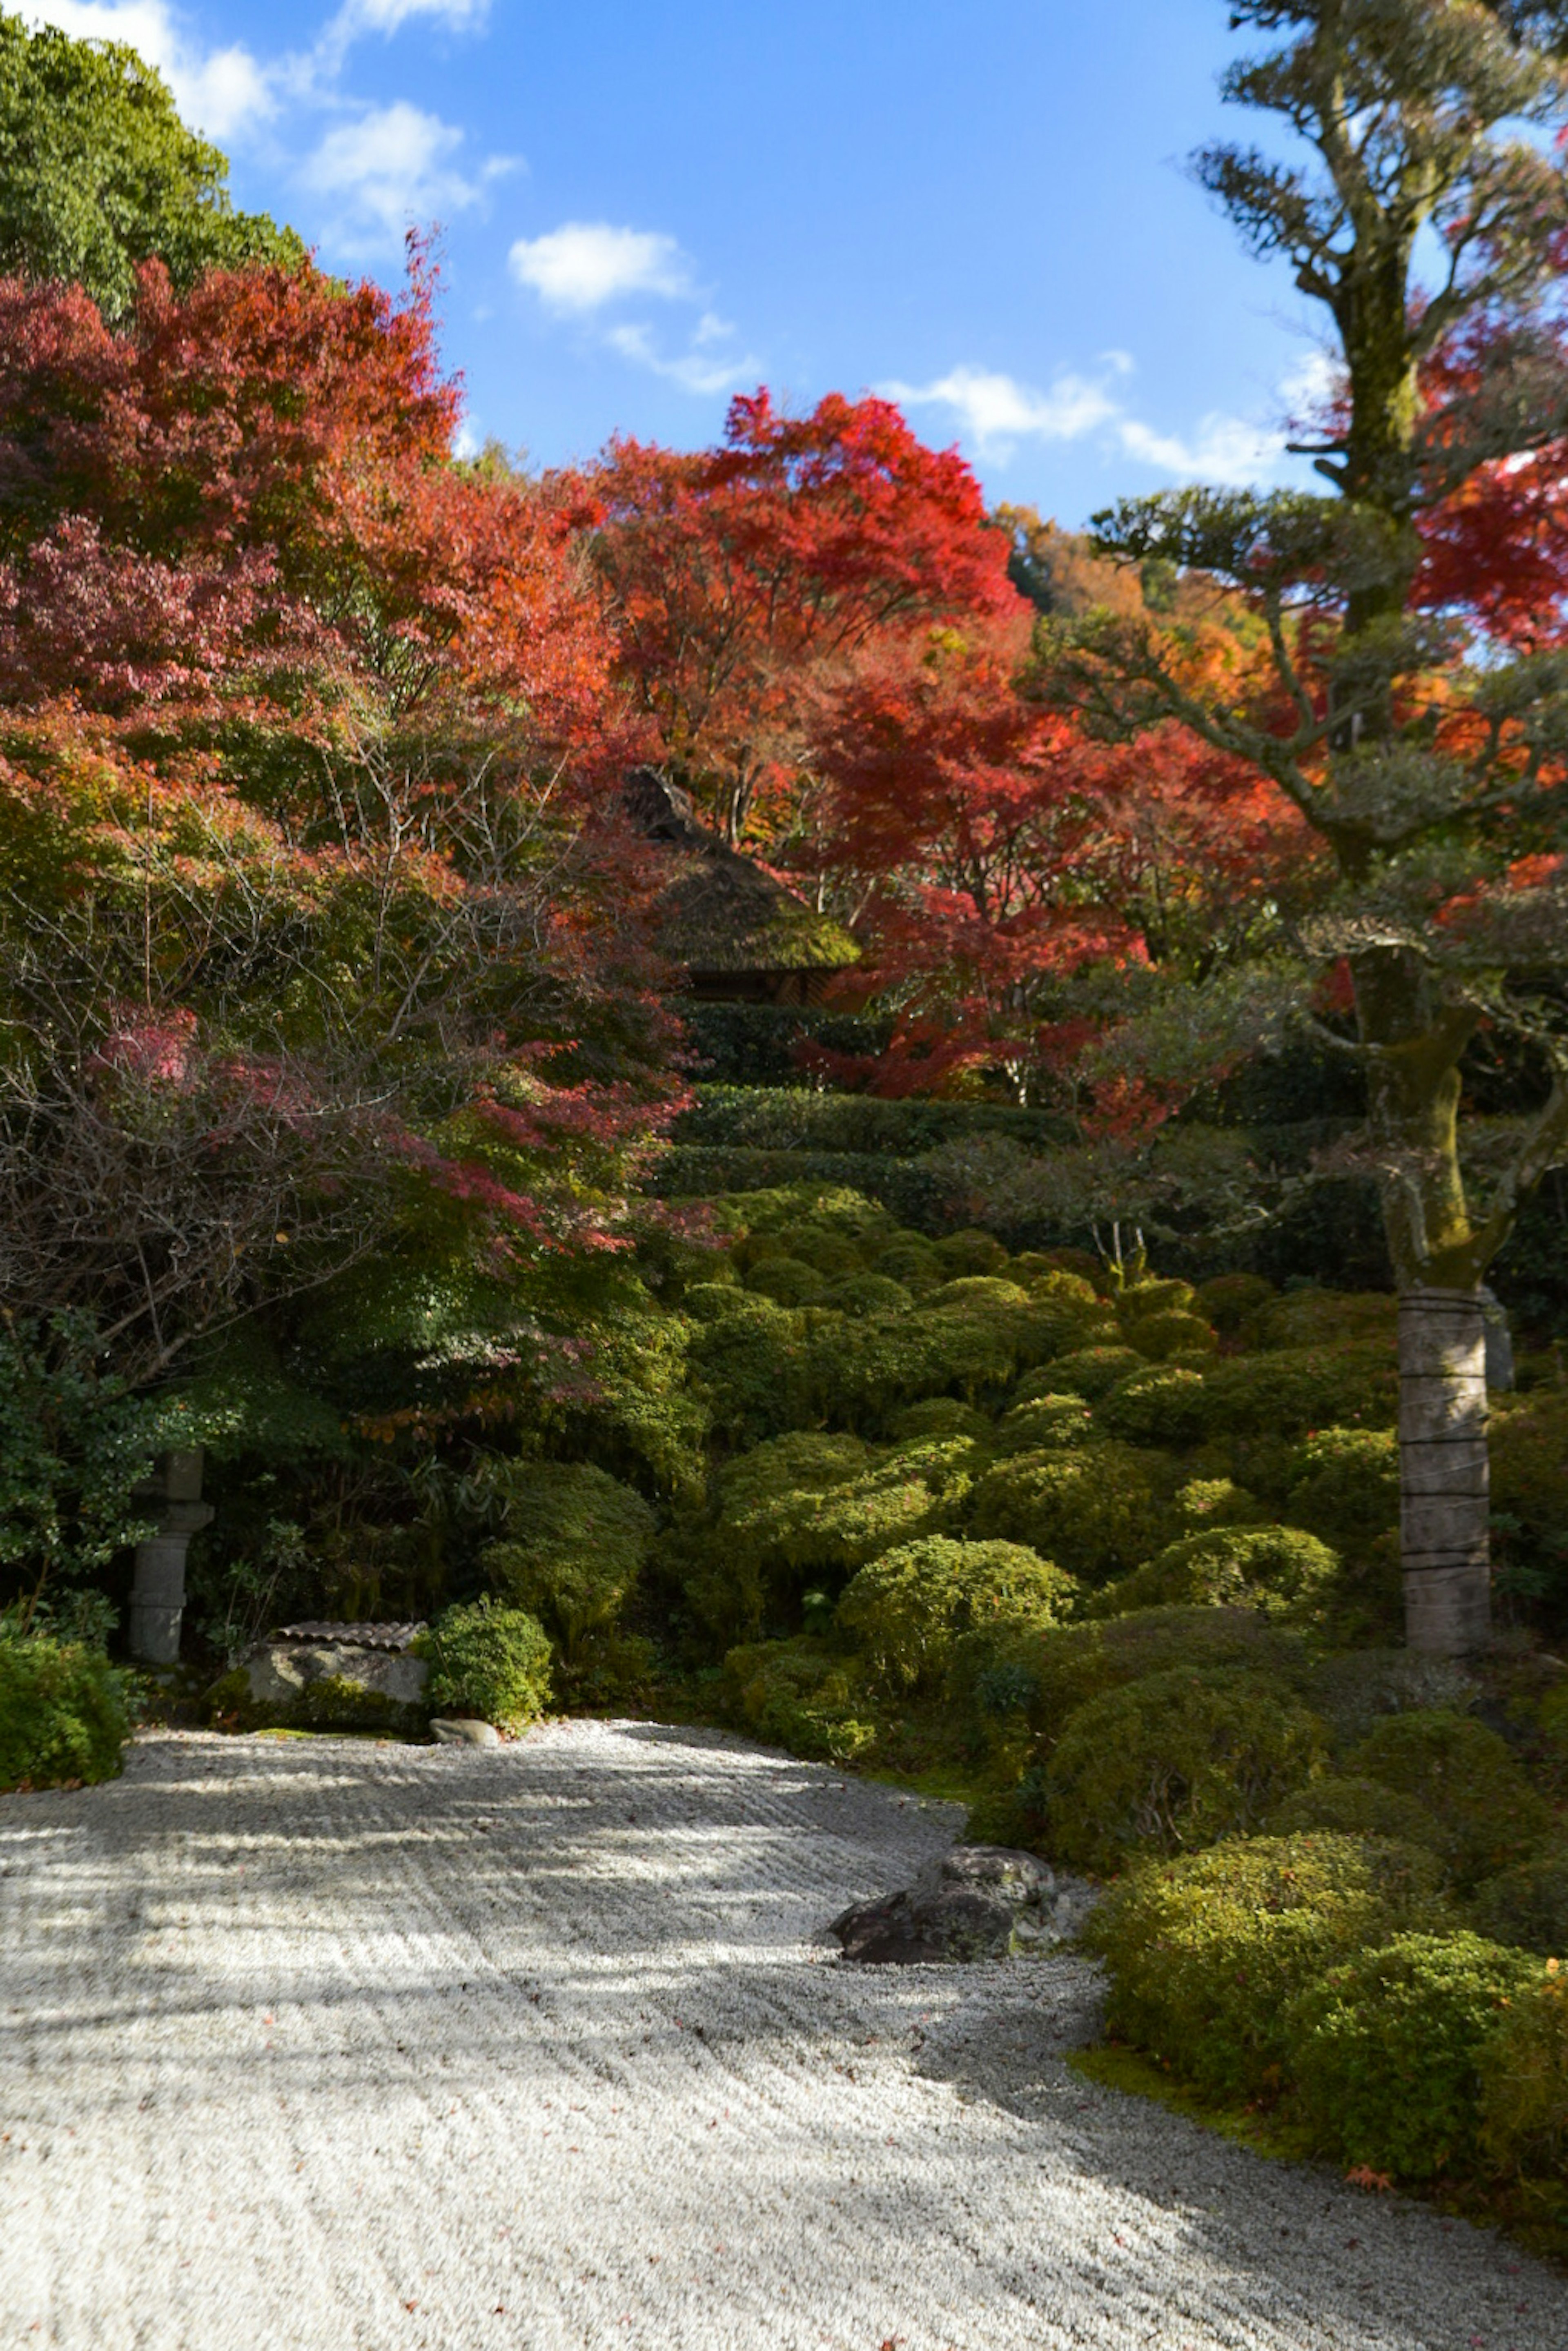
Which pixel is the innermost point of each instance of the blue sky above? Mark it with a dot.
(646, 205)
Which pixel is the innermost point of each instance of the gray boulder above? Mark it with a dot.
(978, 1902)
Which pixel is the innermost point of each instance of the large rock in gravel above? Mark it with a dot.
(978, 1902)
(322, 1684)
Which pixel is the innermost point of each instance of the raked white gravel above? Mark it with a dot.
(315, 2044)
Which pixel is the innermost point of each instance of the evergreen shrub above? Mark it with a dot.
(1092, 1371)
(1073, 1663)
(1523, 2079)
(787, 1280)
(1528, 1904)
(1343, 1805)
(1162, 1405)
(939, 1417)
(1343, 1483)
(1043, 1422)
(1279, 1569)
(971, 1252)
(574, 1544)
(748, 1369)
(488, 1663)
(903, 1609)
(1469, 1780)
(1297, 1389)
(870, 1293)
(1177, 1760)
(799, 1695)
(1386, 2051)
(1172, 1333)
(64, 1712)
(1205, 1951)
(1234, 1300)
(1311, 1317)
(1098, 1508)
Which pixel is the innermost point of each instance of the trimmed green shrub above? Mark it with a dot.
(1205, 1952)
(1073, 1663)
(904, 1609)
(1160, 1336)
(574, 1545)
(490, 1664)
(800, 1695)
(1049, 1284)
(1317, 1318)
(787, 1280)
(1156, 1295)
(820, 1504)
(1344, 1806)
(1523, 2079)
(1343, 1483)
(1233, 1300)
(870, 1293)
(827, 1250)
(939, 1417)
(910, 1257)
(1528, 1904)
(749, 1370)
(1279, 1569)
(714, 1301)
(1385, 2051)
(1092, 1371)
(1097, 1507)
(971, 1252)
(1302, 1388)
(1205, 1502)
(1178, 1759)
(1164, 1407)
(1043, 1422)
(1469, 1780)
(977, 1292)
(64, 1713)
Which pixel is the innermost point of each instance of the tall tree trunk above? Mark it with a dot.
(1443, 1475)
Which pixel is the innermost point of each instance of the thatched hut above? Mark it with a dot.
(737, 933)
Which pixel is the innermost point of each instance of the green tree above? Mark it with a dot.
(97, 173)
(1426, 219)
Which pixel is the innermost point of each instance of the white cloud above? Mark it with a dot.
(694, 370)
(392, 165)
(585, 263)
(219, 91)
(1227, 450)
(995, 411)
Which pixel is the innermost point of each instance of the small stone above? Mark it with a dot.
(460, 1731)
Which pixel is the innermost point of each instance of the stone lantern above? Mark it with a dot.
(158, 1595)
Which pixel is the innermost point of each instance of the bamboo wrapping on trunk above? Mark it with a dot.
(1444, 1501)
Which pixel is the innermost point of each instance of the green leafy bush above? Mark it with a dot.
(1071, 1664)
(1385, 2051)
(1168, 1406)
(827, 1250)
(971, 1252)
(748, 1370)
(910, 1257)
(787, 1280)
(1523, 2079)
(1469, 1780)
(490, 1664)
(1279, 1569)
(1302, 1388)
(1155, 1295)
(574, 1544)
(1234, 1300)
(1346, 1806)
(1204, 1952)
(1043, 1422)
(64, 1713)
(1528, 1904)
(1343, 1483)
(1092, 1371)
(1096, 1507)
(904, 1609)
(714, 1301)
(1178, 1759)
(870, 1293)
(812, 1504)
(1311, 1317)
(802, 1696)
(939, 1417)
(1172, 1333)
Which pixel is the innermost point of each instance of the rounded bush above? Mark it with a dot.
(1278, 1570)
(1163, 1407)
(1527, 1905)
(1469, 1780)
(939, 1417)
(971, 1252)
(1232, 1300)
(1047, 1281)
(1313, 1318)
(1160, 1336)
(788, 1281)
(909, 1256)
(1158, 1295)
(1096, 1507)
(799, 1695)
(1074, 1663)
(1044, 1421)
(1092, 1371)
(574, 1545)
(1178, 1759)
(827, 1250)
(870, 1293)
(1524, 2080)
(488, 1663)
(713, 1302)
(748, 1369)
(1386, 2051)
(1343, 1483)
(63, 1717)
(1350, 1807)
(904, 1608)
(1205, 1952)
(1300, 1388)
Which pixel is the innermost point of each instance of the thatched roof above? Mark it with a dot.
(720, 912)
